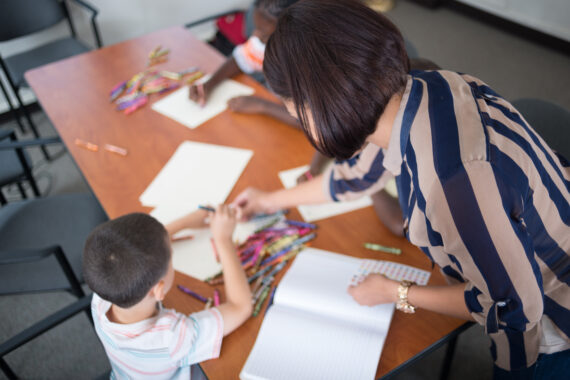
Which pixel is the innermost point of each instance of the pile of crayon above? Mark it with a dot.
(267, 251)
(133, 93)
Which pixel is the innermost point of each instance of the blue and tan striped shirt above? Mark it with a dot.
(485, 198)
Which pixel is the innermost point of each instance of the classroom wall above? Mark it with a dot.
(119, 20)
(548, 16)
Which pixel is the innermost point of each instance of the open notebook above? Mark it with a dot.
(315, 330)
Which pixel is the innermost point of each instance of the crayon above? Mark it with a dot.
(382, 248)
(193, 294)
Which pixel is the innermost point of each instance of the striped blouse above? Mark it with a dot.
(486, 199)
(162, 347)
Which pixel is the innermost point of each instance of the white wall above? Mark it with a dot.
(119, 20)
(548, 16)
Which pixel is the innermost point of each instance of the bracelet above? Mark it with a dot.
(403, 304)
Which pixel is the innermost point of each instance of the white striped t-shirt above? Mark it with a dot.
(161, 347)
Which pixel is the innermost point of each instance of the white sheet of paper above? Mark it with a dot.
(197, 173)
(179, 107)
(311, 213)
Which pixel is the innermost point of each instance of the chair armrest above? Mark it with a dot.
(17, 256)
(8, 257)
(27, 143)
(94, 12)
(210, 18)
(45, 324)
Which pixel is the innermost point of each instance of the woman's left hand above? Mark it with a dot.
(375, 289)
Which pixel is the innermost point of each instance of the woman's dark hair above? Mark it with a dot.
(125, 257)
(342, 62)
(273, 8)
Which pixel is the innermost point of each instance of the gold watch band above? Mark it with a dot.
(403, 304)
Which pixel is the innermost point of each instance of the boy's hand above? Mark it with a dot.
(223, 222)
(247, 104)
(375, 289)
(199, 93)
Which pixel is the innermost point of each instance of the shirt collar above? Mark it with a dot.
(393, 158)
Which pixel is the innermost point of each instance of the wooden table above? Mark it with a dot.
(75, 95)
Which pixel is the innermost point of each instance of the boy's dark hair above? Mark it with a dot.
(125, 257)
(342, 62)
(273, 8)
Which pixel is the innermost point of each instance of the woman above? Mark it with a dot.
(482, 195)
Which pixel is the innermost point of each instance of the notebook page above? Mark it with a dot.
(317, 282)
(197, 173)
(179, 107)
(295, 345)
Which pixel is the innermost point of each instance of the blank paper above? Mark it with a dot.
(197, 173)
(179, 107)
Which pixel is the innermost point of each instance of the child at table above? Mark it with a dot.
(127, 262)
(248, 58)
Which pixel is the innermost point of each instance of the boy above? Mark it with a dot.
(127, 262)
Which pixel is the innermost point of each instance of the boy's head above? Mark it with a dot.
(125, 258)
(265, 15)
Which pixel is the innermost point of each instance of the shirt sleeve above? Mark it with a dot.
(479, 216)
(199, 337)
(249, 55)
(358, 176)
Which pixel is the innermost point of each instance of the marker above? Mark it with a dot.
(207, 208)
(193, 294)
(382, 248)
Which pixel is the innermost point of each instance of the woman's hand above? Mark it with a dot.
(375, 289)
(253, 201)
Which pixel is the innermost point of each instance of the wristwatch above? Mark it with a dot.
(403, 304)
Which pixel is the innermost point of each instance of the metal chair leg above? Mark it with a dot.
(22, 190)
(22, 107)
(12, 108)
(7, 370)
(2, 199)
(448, 358)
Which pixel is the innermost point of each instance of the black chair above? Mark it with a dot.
(20, 18)
(16, 165)
(551, 121)
(41, 249)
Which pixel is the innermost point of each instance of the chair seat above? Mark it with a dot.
(64, 220)
(54, 51)
(12, 170)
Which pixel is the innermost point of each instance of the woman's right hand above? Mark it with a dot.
(253, 201)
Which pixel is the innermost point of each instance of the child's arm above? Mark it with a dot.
(256, 105)
(200, 92)
(193, 220)
(318, 164)
(237, 309)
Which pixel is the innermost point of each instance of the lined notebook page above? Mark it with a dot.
(299, 346)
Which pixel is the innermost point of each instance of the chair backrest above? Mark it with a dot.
(551, 121)
(22, 17)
